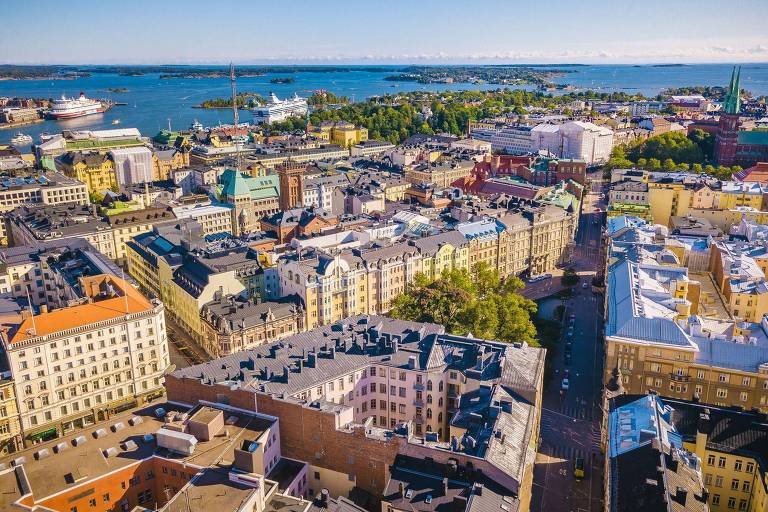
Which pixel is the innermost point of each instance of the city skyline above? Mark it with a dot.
(428, 33)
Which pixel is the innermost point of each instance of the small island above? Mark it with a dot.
(288, 80)
(117, 89)
(503, 75)
(244, 100)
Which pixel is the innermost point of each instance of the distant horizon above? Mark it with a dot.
(382, 63)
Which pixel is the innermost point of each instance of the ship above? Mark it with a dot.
(280, 110)
(21, 139)
(68, 108)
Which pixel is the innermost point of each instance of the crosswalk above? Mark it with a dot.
(579, 412)
(565, 452)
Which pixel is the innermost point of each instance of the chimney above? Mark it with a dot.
(401, 489)
(703, 428)
(477, 489)
(43, 308)
(445, 486)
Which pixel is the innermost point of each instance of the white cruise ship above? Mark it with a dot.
(67, 108)
(280, 110)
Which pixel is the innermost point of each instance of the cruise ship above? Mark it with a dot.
(279, 110)
(67, 108)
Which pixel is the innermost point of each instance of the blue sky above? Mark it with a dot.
(391, 31)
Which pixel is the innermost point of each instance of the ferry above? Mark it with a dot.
(197, 126)
(68, 108)
(21, 139)
(280, 110)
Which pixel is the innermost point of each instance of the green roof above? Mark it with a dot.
(755, 137)
(88, 144)
(236, 183)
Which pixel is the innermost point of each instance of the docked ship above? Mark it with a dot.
(68, 108)
(280, 110)
(21, 139)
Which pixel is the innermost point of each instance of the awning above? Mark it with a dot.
(43, 433)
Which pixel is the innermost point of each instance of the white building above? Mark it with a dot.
(132, 165)
(511, 138)
(214, 218)
(577, 140)
(76, 365)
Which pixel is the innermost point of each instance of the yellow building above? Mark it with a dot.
(10, 422)
(668, 200)
(96, 170)
(734, 194)
(341, 132)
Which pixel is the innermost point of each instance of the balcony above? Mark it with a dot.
(418, 387)
(680, 378)
(418, 419)
(418, 403)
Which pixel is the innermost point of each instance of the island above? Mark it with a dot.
(244, 100)
(288, 80)
(17, 72)
(503, 75)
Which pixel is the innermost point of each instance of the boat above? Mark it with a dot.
(280, 110)
(197, 126)
(21, 139)
(68, 108)
(115, 121)
(45, 136)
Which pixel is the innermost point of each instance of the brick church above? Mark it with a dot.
(734, 146)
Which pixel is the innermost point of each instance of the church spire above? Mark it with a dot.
(732, 102)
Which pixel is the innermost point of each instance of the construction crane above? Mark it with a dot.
(235, 116)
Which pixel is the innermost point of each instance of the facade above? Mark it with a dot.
(509, 138)
(326, 192)
(89, 141)
(214, 218)
(96, 170)
(291, 177)
(340, 133)
(440, 174)
(10, 425)
(574, 139)
(368, 148)
(78, 364)
(165, 161)
(378, 388)
(231, 324)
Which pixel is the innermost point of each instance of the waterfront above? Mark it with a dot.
(153, 102)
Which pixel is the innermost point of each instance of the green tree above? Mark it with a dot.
(668, 165)
(479, 303)
(697, 168)
(654, 164)
(570, 277)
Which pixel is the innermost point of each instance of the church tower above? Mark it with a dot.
(291, 175)
(728, 134)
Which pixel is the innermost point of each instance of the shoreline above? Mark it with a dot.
(9, 126)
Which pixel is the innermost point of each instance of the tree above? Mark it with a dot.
(570, 277)
(480, 303)
(697, 168)
(668, 165)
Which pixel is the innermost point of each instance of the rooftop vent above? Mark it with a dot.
(135, 420)
(99, 433)
(129, 445)
(118, 426)
(110, 452)
(60, 447)
(79, 440)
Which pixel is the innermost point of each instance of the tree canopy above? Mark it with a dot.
(480, 303)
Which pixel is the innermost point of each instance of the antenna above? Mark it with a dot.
(31, 311)
(169, 125)
(234, 109)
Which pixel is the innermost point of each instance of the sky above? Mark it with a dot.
(382, 31)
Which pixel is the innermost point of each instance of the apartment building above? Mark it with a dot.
(233, 323)
(439, 173)
(251, 198)
(96, 170)
(89, 141)
(214, 218)
(44, 188)
(574, 139)
(720, 450)
(686, 333)
(78, 364)
(10, 425)
(370, 148)
(379, 389)
(31, 225)
(341, 133)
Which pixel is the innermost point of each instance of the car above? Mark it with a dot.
(578, 467)
(565, 384)
(566, 372)
(585, 285)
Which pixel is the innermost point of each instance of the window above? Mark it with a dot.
(731, 502)
(715, 499)
(742, 504)
(746, 486)
(737, 465)
(721, 462)
(750, 467)
(735, 484)
(708, 479)
(718, 481)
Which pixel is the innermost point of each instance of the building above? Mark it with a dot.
(369, 148)
(648, 466)
(214, 218)
(574, 139)
(251, 198)
(103, 352)
(298, 223)
(354, 397)
(11, 438)
(291, 178)
(231, 323)
(96, 170)
(47, 188)
(325, 191)
(89, 141)
(341, 133)
(271, 159)
(440, 174)
(508, 138)
(31, 225)
(166, 457)
(686, 318)
(132, 165)
(734, 146)
(165, 161)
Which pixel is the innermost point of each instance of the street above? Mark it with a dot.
(570, 420)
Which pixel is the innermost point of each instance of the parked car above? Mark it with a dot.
(578, 467)
(585, 285)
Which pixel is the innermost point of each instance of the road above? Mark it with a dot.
(570, 421)
(182, 350)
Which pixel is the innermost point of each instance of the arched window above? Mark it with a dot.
(429, 399)
(429, 428)
(440, 386)
(440, 401)
(440, 433)
(440, 417)
(429, 413)
(429, 385)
